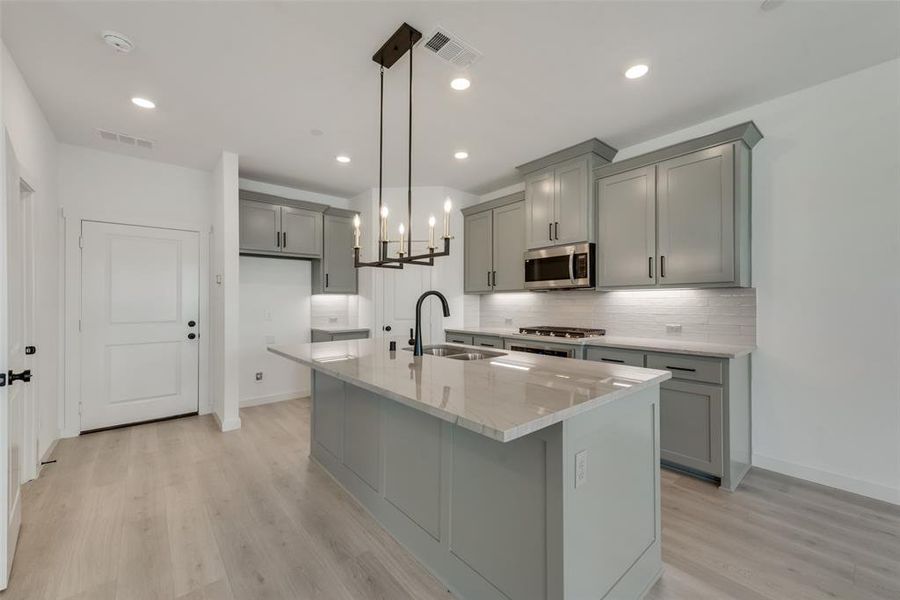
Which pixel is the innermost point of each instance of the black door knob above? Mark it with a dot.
(192, 336)
(29, 350)
(192, 323)
(24, 376)
(387, 327)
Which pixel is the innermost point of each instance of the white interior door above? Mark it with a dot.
(12, 358)
(401, 290)
(140, 323)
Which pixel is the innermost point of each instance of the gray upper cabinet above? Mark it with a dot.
(695, 196)
(494, 246)
(559, 203)
(301, 231)
(626, 234)
(260, 226)
(274, 226)
(335, 273)
(678, 216)
(509, 248)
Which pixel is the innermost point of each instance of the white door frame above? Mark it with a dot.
(71, 424)
(30, 456)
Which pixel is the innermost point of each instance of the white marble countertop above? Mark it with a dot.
(674, 345)
(502, 398)
(330, 329)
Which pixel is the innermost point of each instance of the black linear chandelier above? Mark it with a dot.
(397, 45)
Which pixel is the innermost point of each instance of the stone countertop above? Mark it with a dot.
(329, 329)
(502, 398)
(673, 345)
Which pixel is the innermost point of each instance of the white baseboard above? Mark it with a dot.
(835, 480)
(47, 456)
(273, 398)
(228, 424)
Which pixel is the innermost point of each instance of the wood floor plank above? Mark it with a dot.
(178, 509)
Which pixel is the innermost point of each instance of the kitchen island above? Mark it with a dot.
(508, 475)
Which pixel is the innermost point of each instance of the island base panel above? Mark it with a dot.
(496, 520)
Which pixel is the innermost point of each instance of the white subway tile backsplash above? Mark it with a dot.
(725, 315)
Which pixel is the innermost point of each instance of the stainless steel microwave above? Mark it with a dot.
(560, 267)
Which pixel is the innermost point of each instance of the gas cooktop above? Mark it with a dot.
(565, 332)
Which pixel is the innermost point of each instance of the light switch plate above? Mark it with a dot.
(580, 468)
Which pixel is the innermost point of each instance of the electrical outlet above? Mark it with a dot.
(508, 320)
(259, 375)
(673, 328)
(580, 468)
(332, 319)
(270, 339)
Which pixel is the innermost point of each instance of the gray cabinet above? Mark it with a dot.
(559, 201)
(690, 425)
(626, 234)
(478, 262)
(487, 341)
(617, 356)
(336, 335)
(695, 203)
(273, 226)
(260, 226)
(458, 338)
(678, 216)
(494, 246)
(335, 273)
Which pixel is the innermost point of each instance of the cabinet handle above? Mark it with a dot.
(495, 278)
(284, 239)
(557, 229)
(326, 279)
(686, 369)
(489, 279)
(613, 360)
(550, 231)
(278, 239)
(662, 266)
(650, 267)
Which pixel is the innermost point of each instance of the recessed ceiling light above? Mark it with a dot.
(460, 84)
(461, 155)
(143, 102)
(636, 71)
(342, 158)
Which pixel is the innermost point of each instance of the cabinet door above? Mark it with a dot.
(570, 220)
(509, 248)
(259, 226)
(337, 259)
(626, 234)
(690, 425)
(695, 195)
(301, 231)
(478, 260)
(539, 212)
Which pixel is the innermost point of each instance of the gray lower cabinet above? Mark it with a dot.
(494, 247)
(459, 338)
(704, 421)
(487, 341)
(275, 226)
(335, 273)
(336, 335)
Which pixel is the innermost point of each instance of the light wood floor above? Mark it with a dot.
(179, 510)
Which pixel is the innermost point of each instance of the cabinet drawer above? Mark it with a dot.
(350, 335)
(488, 341)
(459, 338)
(692, 368)
(633, 358)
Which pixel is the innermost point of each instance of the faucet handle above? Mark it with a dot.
(412, 337)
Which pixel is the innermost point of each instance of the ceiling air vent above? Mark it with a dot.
(124, 138)
(451, 48)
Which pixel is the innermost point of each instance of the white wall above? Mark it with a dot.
(826, 244)
(225, 293)
(102, 186)
(36, 151)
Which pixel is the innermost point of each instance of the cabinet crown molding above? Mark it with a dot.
(602, 150)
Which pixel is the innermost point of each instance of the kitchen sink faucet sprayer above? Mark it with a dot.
(417, 345)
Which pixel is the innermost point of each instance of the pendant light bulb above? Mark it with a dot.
(447, 205)
(431, 221)
(356, 221)
(402, 229)
(384, 212)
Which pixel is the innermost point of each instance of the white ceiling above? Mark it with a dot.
(256, 77)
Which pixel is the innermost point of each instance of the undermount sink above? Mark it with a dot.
(457, 353)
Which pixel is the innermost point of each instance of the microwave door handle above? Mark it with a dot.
(572, 267)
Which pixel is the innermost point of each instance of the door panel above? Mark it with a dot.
(571, 202)
(402, 288)
(539, 212)
(626, 240)
(690, 425)
(696, 217)
(14, 297)
(509, 248)
(140, 289)
(301, 231)
(259, 226)
(477, 250)
(337, 259)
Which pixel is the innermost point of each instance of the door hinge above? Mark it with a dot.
(79, 408)
(79, 325)
(81, 241)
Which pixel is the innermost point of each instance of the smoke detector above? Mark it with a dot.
(118, 41)
(124, 138)
(452, 49)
